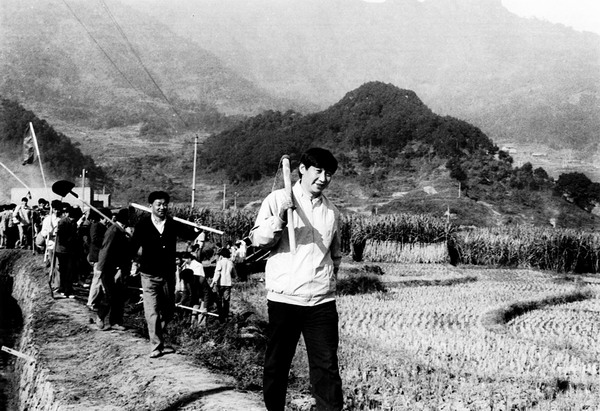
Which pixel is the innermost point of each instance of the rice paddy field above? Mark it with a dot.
(448, 338)
(510, 328)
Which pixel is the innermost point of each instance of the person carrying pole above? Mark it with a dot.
(301, 275)
(154, 245)
(114, 265)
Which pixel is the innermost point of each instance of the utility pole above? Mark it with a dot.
(194, 171)
(83, 185)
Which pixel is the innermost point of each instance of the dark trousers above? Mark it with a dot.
(319, 328)
(223, 295)
(65, 270)
(112, 310)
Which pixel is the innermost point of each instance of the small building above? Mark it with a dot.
(509, 149)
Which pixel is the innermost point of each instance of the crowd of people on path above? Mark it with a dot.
(100, 250)
(300, 281)
(21, 223)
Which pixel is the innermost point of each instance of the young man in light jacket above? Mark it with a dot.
(301, 285)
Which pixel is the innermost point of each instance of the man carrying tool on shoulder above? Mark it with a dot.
(154, 245)
(301, 282)
(114, 264)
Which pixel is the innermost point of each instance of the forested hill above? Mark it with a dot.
(62, 159)
(374, 120)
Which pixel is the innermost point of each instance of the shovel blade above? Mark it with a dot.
(63, 187)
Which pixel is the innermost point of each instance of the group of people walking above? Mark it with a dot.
(21, 223)
(102, 251)
(300, 282)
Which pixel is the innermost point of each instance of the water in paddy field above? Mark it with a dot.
(11, 321)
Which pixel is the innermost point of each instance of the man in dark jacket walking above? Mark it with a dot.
(114, 264)
(65, 250)
(97, 231)
(154, 243)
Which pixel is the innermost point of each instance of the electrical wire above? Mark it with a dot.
(131, 48)
(89, 33)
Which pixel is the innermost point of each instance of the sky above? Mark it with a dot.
(578, 14)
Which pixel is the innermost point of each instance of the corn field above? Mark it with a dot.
(235, 223)
(401, 228)
(409, 238)
(394, 238)
(393, 252)
(560, 250)
(388, 238)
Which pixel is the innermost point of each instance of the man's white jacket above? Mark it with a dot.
(307, 277)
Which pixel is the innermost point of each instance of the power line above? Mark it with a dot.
(112, 17)
(112, 61)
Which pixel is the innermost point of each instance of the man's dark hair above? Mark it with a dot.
(75, 213)
(93, 216)
(56, 204)
(225, 253)
(320, 158)
(186, 275)
(158, 195)
(25, 199)
(122, 216)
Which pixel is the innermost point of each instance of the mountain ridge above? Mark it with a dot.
(61, 57)
(524, 78)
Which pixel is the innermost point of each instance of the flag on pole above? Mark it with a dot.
(28, 152)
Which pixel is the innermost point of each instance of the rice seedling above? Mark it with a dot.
(426, 348)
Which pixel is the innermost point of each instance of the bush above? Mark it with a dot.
(360, 284)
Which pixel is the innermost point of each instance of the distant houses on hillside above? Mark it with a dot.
(509, 149)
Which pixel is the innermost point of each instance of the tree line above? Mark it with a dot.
(60, 156)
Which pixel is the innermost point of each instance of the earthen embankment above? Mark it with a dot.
(74, 366)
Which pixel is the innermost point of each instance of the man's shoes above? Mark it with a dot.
(99, 323)
(106, 327)
(168, 350)
(71, 296)
(156, 354)
(118, 327)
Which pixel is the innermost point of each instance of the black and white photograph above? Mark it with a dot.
(300, 205)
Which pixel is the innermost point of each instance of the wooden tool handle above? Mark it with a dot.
(287, 183)
(180, 220)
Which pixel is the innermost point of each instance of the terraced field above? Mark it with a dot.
(446, 347)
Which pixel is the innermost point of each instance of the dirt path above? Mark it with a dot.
(111, 370)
